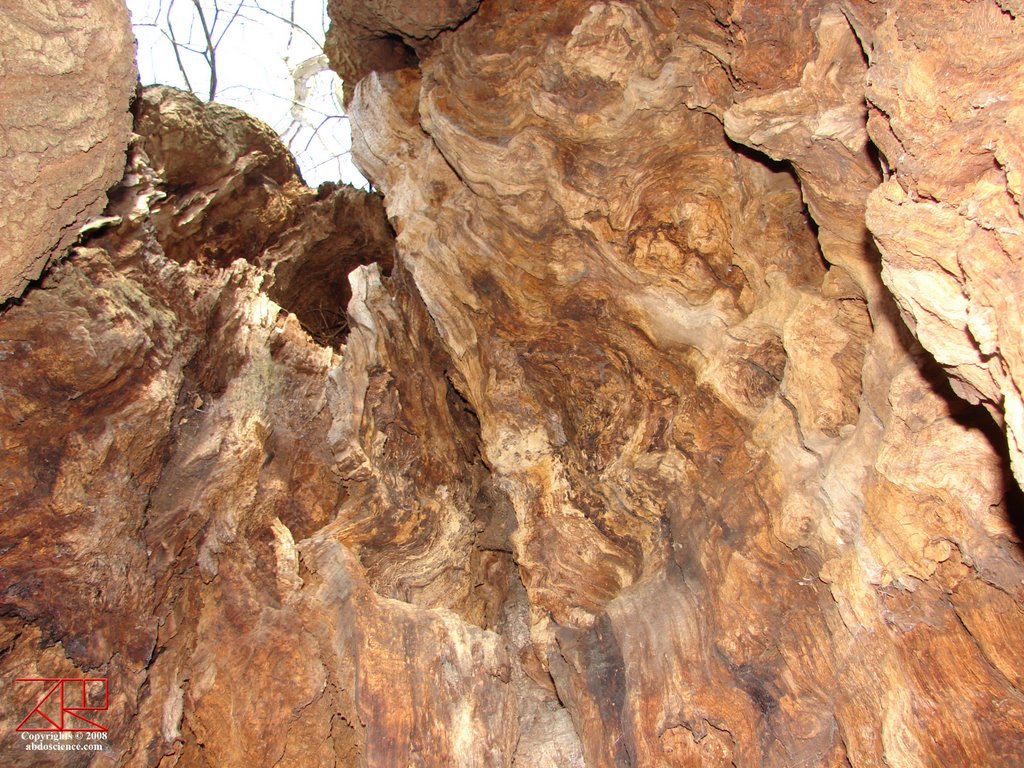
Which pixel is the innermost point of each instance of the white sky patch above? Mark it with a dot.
(269, 62)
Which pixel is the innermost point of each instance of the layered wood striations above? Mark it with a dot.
(754, 524)
(669, 430)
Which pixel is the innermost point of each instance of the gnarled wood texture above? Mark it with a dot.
(672, 422)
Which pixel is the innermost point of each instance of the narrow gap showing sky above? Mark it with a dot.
(269, 61)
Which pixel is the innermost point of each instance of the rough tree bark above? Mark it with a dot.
(66, 76)
(667, 424)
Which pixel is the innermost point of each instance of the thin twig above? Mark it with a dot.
(211, 48)
(284, 98)
(230, 22)
(290, 23)
(332, 159)
(174, 44)
(317, 130)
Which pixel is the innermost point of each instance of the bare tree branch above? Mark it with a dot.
(317, 129)
(231, 21)
(211, 48)
(290, 22)
(291, 28)
(174, 44)
(273, 95)
(338, 157)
